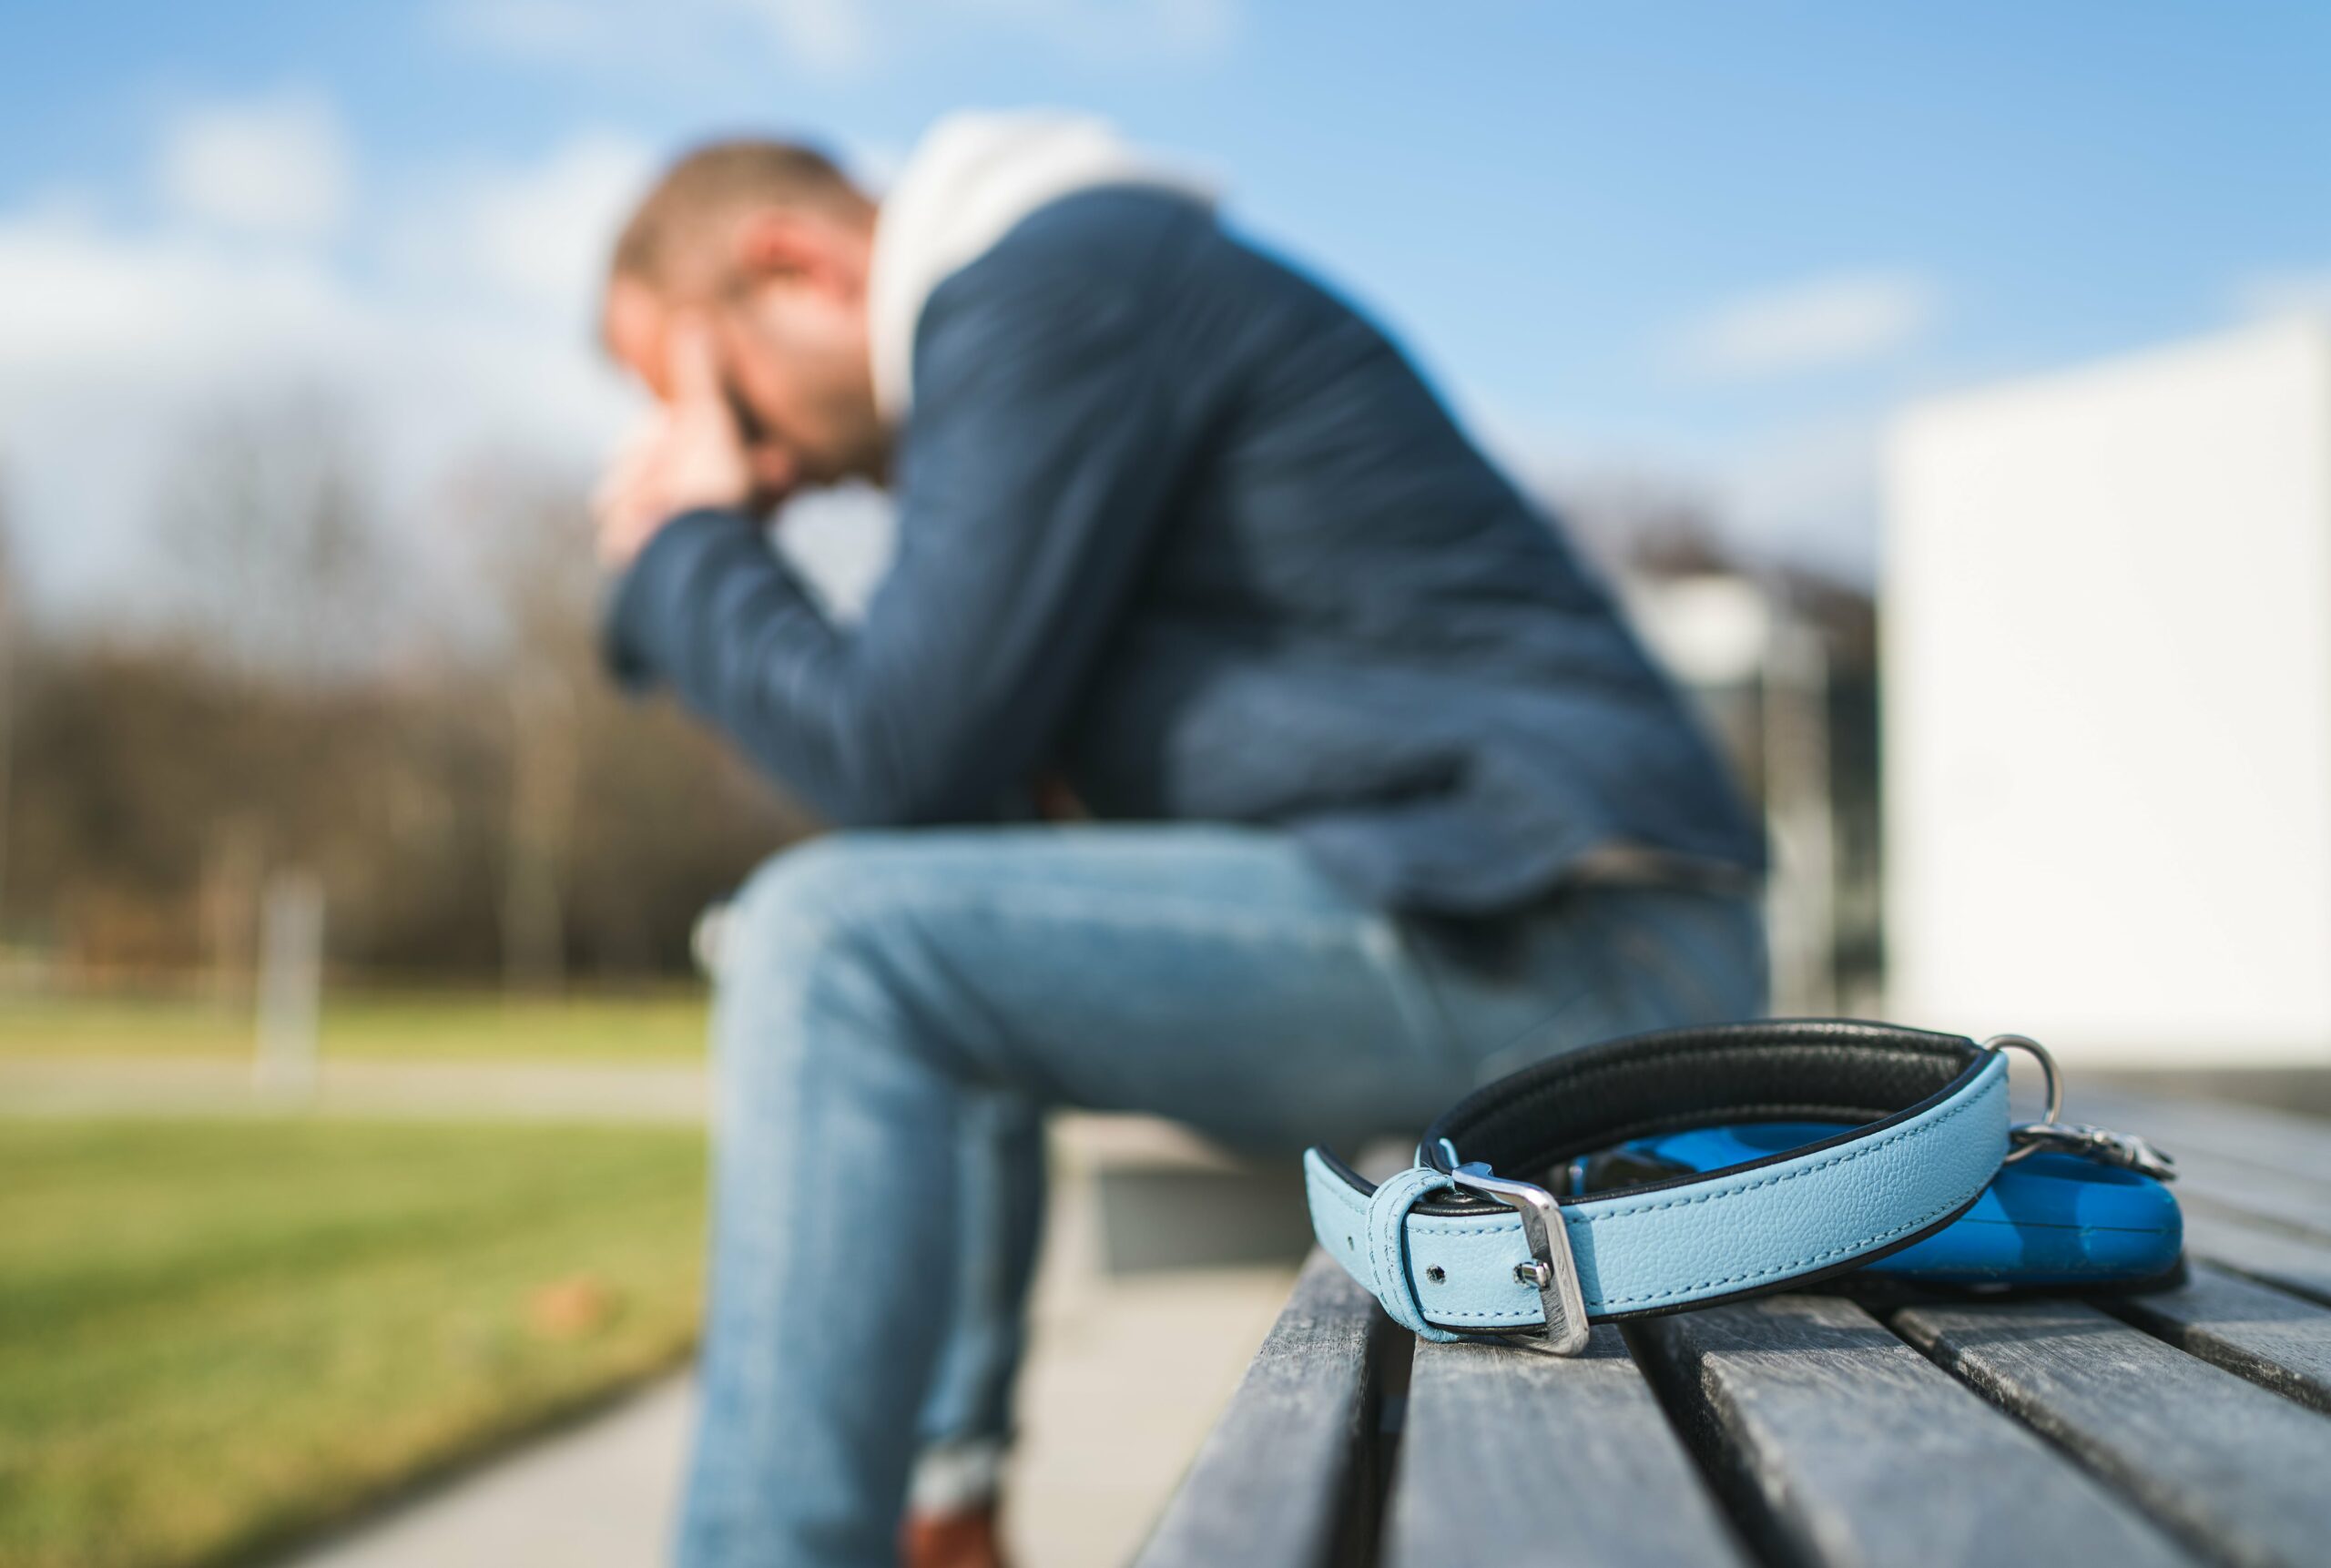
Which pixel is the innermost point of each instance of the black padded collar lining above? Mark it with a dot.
(1780, 1070)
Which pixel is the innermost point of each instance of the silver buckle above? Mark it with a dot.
(1550, 1269)
(2105, 1147)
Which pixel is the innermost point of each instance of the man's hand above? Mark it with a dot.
(689, 454)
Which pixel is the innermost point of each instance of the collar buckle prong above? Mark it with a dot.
(1550, 1270)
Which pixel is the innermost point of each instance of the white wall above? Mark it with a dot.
(2107, 616)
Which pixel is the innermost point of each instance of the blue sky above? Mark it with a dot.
(1710, 243)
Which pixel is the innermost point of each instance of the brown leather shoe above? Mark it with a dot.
(967, 1538)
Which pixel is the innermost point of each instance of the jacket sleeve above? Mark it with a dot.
(1031, 485)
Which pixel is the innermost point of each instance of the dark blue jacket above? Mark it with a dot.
(1180, 523)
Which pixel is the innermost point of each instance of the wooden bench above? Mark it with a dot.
(2190, 1426)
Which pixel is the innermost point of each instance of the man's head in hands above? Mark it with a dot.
(738, 296)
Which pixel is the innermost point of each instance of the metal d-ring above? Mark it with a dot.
(2049, 1117)
(2050, 1132)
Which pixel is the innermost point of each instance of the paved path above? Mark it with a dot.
(598, 1496)
(1116, 1401)
(168, 1085)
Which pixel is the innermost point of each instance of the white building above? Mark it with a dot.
(2107, 644)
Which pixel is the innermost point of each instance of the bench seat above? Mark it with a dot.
(2193, 1425)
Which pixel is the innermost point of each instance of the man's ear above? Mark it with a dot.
(802, 246)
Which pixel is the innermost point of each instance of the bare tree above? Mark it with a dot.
(282, 566)
(10, 599)
(624, 818)
(475, 795)
(1645, 524)
(528, 535)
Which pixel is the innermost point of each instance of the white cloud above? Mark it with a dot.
(120, 339)
(537, 236)
(464, 335)
(823, 35)
(1198, 26)
(2267, 295)
(1822, 324)
(1102, 27)
(832, 37)
(547, 30)
(276, 166)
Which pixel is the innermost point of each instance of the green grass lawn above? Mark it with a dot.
(435, 1026)
(217, 1335)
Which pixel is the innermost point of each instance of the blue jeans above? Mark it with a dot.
(897, 1010)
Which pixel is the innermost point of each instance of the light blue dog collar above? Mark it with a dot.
(1454, 1249)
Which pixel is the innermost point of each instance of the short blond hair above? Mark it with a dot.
(710, 187)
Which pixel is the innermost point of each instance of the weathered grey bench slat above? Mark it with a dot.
(2217, 1186)
(2296, 1263)
(2274, 1339)
(2237, 1470)
(2266, 1178)
(1840, 1444)
(1574, 1458)
(1284, 1476)
(2190, 1425)
(2267, 1142)
(2263, 1210)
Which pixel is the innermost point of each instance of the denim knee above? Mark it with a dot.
(812, 952)
(780, 932)
(798, 893)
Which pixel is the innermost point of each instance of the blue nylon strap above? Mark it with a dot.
(1725, 1234)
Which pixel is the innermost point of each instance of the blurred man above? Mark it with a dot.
(1395, 800)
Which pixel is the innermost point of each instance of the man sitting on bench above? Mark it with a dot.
(1376, 795)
